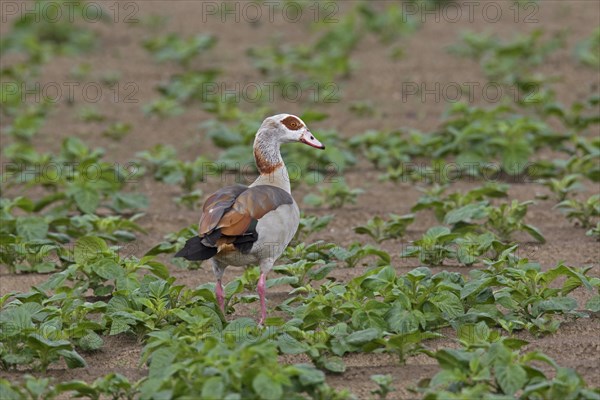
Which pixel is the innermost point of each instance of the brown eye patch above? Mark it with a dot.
(292, 123)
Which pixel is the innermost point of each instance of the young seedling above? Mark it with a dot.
(117, 130)
(561, 188)
(434, 247)
(172, 47)
(594, 232)
(310, 225)
(381, 230)
(508, 219)
(336, 195)
(581, 211)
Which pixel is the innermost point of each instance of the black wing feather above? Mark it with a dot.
(194, 250)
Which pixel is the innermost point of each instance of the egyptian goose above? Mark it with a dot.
(243, 225)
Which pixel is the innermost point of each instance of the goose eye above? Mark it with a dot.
(292, 123)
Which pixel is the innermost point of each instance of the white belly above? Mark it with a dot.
(275, 231)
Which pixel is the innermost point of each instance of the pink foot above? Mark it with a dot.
(220, 296)
(261, 295)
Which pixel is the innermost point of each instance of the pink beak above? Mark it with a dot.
(309, 139)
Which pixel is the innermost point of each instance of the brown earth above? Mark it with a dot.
(376, 78)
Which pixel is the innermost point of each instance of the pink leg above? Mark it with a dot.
(220, 296)
(261, 295)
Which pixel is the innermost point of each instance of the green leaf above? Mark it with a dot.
(362, 337)
(213, 388)
(474, 333)
(322, 272)
(160, 361)
(534, 232)
(38, 341)
(108, 269)
(560, 304)
(158, 269)
(515, 156)
(334, 364)
(282, 280)
(310, 375)
(91, 341)
(289, 345)
(89, 247)
(451, 359)
(266, 387)
(87, 199)
(593, 304)
(449, 304)
(32, 228)
(120, 325)
(467, 213)
(72, 359)
(510, 377)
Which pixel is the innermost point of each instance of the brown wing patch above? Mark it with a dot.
(253, 203)
(216, 205)
(292, 123)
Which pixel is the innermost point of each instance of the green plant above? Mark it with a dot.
(77, 178)
(27, 122)
(384, 383)
(117, 130)
(587, 51)
(478, 136)
(98, 267)
(394, 149)
(171, 47)
(316, 65)
(510, 62)
(30, 388)
(434, 247)
(578, 117)
(508, 218)
(362, 108)
(562, 187)
(183, 89)
(381, 230)
(163, 163)
(499, 370)
(163, 107)
(90, 114)
(594, 232)
(439, 244)
(318, 250)
(335, 195)
(529, 296)
(433, 199)
(356, 252)
(37, 333)
(581, 211)
(226, 368)
(310, 225)
(301, 273)
(42, 34)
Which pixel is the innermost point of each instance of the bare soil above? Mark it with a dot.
(376, 78)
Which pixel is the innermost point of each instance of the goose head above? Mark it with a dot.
(286, 128)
